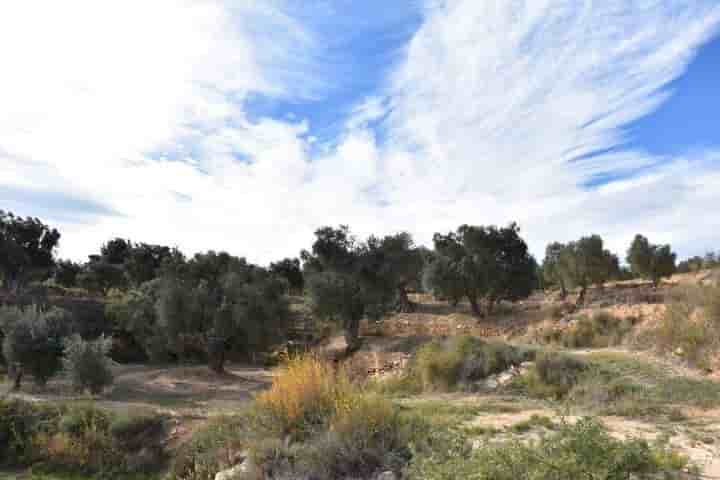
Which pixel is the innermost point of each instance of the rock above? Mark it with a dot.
(491, 382)
(235, 472)
(506, 377)
(388, 475)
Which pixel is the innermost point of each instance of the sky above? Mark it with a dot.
(246, 125)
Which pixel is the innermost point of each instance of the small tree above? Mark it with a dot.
(551, 267)
(33, 341)
(585, 262)
(650, 261)
(349, 280)
(87, 363)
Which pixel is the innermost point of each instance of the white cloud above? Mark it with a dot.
(140, 106)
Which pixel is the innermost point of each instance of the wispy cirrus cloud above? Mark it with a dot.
(492, 112)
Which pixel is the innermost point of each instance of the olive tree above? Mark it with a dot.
(650, 261)
(349, 280)
(33, 341)
(225, 300)
(586, 262)
(485, 264)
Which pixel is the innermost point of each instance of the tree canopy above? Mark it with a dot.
(27, 248)
(584, 262)
(483, 264)
(650, 261)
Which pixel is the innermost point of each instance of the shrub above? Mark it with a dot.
(33, 339)
(553, 375)
(312, 423)
(19, 421)
(75, 438)
(580, 450)
(87, 363)
(599, 331)
(215, 447)
(462, 361)
(304, 394)
(690, 326)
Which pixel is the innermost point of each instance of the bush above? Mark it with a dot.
(459, 362)
(75, 438)
(215, 447)
(599, 331)
(691, 325)
(304, 394)
(87, 363)
(580, 450)
(33, 339)
(553, 375)
(312, 423)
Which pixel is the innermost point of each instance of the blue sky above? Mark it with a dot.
(246, 125)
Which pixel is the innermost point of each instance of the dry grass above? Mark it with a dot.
(305, 392)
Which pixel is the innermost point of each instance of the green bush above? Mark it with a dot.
(132, 433)
(461, 361)
(72, 439)
(599, 331)
(33, 339)
(553, 375)
(580, 450)
(87, 363)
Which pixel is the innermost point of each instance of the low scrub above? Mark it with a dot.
(552, 376)
(457, 363)
(690, 327)
(77, 438)
(580, 450)
(600, 330)
(312, 423)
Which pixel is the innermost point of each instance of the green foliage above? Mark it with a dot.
(290, 270)
(221, 300)
(551, 268)
(457, 363)
(582, 263)
(348, 280)
(553, 375)
(482, 263)
(99, 276)
(66, 273)
(580, 450)
(87, 363)
(599, 331)
(26, 249)
(650, 261)
(33, 339)
(76, 439)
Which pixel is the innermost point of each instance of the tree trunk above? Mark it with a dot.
(563, 291)
(475, 307)
(17, 372)
(352, 334)
(404, 303)
(490, 305)
(581, 297)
